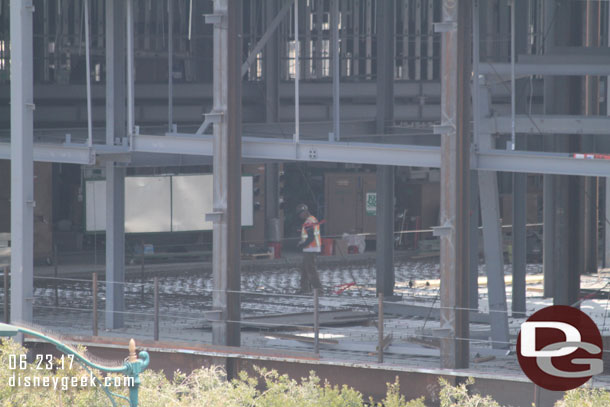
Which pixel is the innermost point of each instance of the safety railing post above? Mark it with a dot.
(380, 329)
(7, 314)
(94, 293)
(156, 305)
(316, 320)
(56, 274)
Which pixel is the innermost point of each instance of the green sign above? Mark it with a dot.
(371, 203)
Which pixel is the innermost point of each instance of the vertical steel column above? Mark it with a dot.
(519, 26)
(334, 22)
(548, 192)
(473, 287)
(130, 71)
(227, 172)
(88, 76)
(272, 97)
(607, 216)
(455, 173)
(513, 92)
(170, 65)
(22, 165)
(385, 174)
(607, 179)
(116, 126)
(519, 237)
(492, 239)
(297, 72)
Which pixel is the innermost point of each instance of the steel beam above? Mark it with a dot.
(607, 224)
(272, 98)
(519, 239)
(336, 72)
(262, 148)
(22, 165)
(540, 163)
(494, 258)
(548, 124)
(455, 177)
(385, 174)
(55, 153)
(555, 65)
(227, 173)
(269, 32)
(116, 128)
(473, 287)
(384, 260)
(493, 242)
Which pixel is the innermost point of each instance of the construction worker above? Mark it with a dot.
(311, 244)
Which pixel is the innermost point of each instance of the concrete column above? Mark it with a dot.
(116, 128)
(22, 163)
(227, 173)
(385, 174)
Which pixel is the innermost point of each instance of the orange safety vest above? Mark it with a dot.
(316, 245)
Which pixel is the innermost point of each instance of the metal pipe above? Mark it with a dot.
(130, 73)
(316, 321)
(7, 315)
(88, 76)
(170, 65)
(380, 329)
(512, 72)
(336, 72)
(156, 305)
(297, 61)
(94, 293)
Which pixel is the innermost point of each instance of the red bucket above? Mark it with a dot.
(327, 246)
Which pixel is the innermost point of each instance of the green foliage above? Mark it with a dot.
(585, 397)
(458, 396)
(209, 387)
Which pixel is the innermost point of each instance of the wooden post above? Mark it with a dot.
(316, 320)
(156, 328)
(7, 315)
(380, 329)
(94, 293)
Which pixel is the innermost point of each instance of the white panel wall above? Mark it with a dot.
(163, 204)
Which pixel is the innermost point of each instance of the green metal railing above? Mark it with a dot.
(132, 367)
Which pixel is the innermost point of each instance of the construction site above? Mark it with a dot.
(366, 189)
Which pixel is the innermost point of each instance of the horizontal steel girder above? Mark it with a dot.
(286, 150)
(548, 124)
(557, 65)
(540, 163)
(273, 149)
(55, 153)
